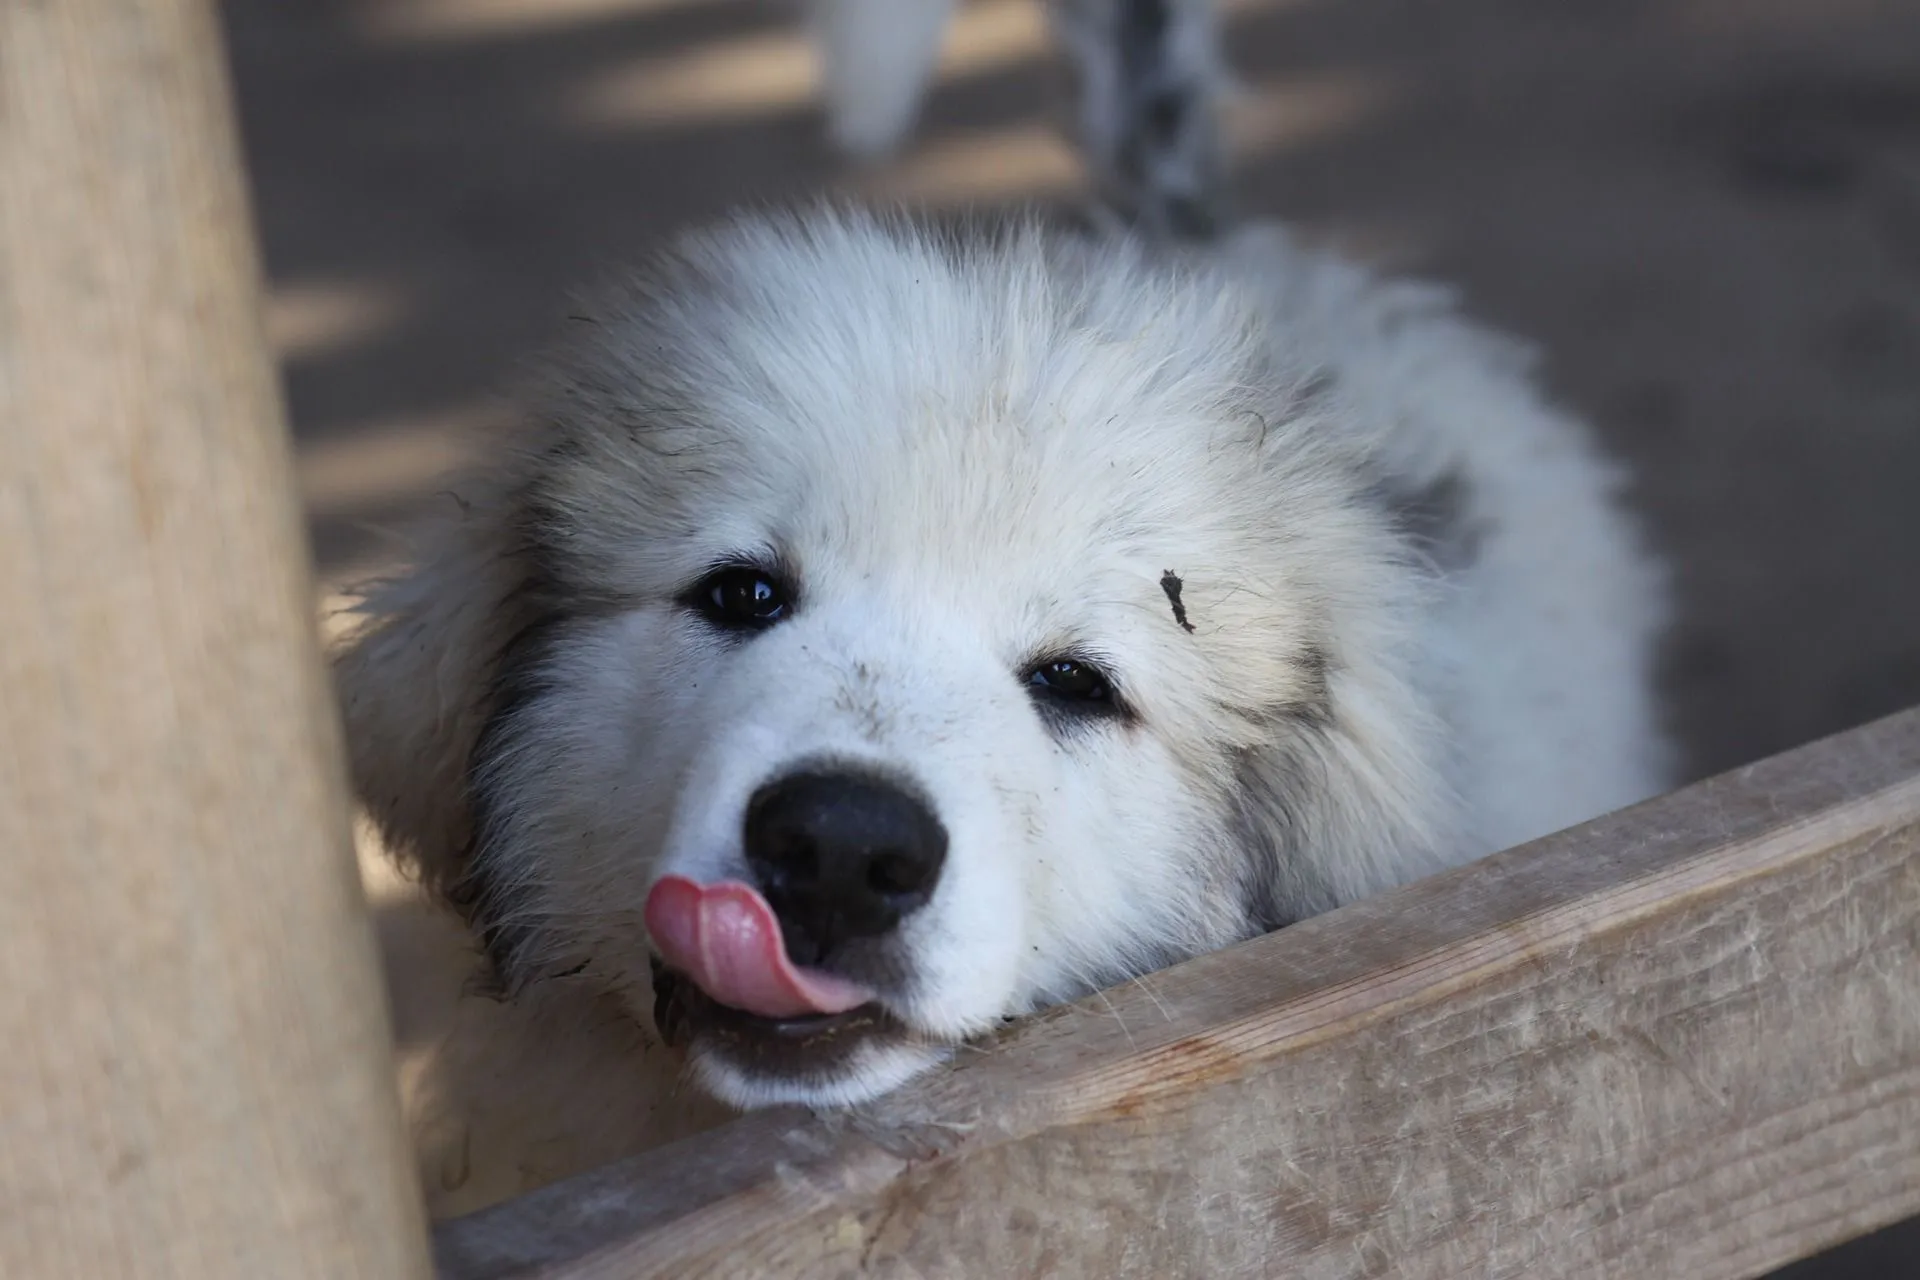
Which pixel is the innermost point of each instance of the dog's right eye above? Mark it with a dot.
(740, 599)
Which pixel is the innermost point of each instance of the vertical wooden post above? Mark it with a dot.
(195, 1078)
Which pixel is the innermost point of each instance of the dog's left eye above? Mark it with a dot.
(740, 598)
(1070, 680)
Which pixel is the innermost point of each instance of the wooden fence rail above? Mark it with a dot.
(1682, 1041)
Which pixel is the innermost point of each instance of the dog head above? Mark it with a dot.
(875, 633)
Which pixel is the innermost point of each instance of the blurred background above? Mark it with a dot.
(1705, 212)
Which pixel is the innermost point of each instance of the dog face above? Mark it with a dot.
(884, 634)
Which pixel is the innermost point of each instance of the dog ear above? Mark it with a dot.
(1344, 801)
(413, 681)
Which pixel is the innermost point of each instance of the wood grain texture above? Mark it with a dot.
(197, 1079)
(1682, 1041)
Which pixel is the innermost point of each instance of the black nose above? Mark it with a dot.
(841, 855)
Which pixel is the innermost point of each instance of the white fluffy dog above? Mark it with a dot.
(892, 630)
(876, 630)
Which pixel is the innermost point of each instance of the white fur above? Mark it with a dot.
(976, 451)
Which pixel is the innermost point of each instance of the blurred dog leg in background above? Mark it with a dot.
(1146, 76)
(876, 60)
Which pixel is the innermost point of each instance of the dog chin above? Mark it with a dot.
(866, 1071)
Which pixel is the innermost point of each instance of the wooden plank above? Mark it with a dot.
(197, 1080)
(1681, 1041)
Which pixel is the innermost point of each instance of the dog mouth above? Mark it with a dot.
(723, 986)
(684, 1015)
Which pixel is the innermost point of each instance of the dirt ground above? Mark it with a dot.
(1706, 212)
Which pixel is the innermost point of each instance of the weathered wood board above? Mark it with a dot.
(1681, 1041)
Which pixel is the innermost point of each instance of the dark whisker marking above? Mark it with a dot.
(1171, 584)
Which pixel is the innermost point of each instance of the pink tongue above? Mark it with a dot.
(724, 937)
